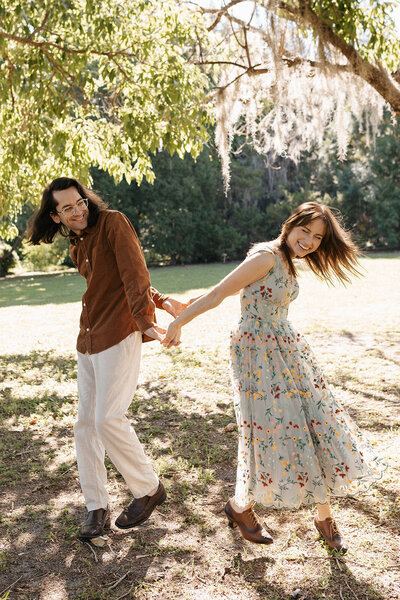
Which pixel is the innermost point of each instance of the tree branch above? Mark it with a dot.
(67, 49)
(253, 70)
(376, 76)
(220, 12)
(302, 14)
(10, 76)
(68, 78)
(41, 27)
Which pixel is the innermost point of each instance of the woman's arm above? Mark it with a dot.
(247, 272)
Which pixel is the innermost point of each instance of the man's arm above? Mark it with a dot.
(172, 306)
(158, 298)
(133, 272)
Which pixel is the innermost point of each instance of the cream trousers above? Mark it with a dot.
(106, 385)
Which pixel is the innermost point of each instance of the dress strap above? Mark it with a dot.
(262, 247)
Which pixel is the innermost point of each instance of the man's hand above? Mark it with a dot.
(156, 332)
(193, 300)
(174, 307)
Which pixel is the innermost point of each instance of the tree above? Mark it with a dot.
(368, 188)
(109, 84)
(295, 67)
(181, 217)
(86, 83)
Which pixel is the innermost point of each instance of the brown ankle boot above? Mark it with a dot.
(330, 533)
(249, 525)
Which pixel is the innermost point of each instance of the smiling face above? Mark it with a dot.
(304, 239)
(78, 220)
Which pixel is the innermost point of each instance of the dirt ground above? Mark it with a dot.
(186, 550)
(180, 411)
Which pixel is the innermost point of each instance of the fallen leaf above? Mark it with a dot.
(230, 427)
(100, 541)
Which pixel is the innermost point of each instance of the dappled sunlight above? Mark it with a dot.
(54, 588)
(180, 411)
(48, 328)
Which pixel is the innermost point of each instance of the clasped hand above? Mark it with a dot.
(172, 336)
(164, 337)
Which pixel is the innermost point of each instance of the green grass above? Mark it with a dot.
(65, 287)
(180, 411)
(46, 288)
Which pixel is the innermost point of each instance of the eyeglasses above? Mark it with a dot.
(68, 211)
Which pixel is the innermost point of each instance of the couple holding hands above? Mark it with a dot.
(297, 446)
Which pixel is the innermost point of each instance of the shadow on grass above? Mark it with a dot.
(386, 513)
(341, 582)
(41, 505)
(378, 254)
(32, 370)
(379, 418)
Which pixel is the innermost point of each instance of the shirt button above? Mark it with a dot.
(87, 329)
(81, 239)
(87, 260)
(84, 304)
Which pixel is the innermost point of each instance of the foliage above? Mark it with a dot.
(180, 218)
(365, 188)
(368, 26)
(107, 85)
(385, 187)
(185, 217)
(86, 84)
(43, 256)
(292, 70)
(8, 258)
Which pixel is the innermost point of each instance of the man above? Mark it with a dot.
(117, 312)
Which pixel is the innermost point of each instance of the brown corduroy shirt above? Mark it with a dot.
(119, 298)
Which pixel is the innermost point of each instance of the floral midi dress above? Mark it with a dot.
(297, 445)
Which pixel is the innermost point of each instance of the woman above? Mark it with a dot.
(297, 445)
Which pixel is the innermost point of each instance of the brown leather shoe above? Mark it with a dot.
(249, 525)
(97, 521)
(140, 509)
(331, 534)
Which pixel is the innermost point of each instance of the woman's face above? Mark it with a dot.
(304, 239)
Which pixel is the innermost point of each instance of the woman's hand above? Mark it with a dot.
(173, 336)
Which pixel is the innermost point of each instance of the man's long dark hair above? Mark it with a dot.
(42, 228)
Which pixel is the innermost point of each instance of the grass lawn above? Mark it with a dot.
(68, 286)
(180, 411)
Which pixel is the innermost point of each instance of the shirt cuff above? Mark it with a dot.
(143, 323)
(158, 298)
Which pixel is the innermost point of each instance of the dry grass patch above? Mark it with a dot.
(182, 406)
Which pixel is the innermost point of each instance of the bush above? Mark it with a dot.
(8, 259)
(43, 256)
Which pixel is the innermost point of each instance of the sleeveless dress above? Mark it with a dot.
(297, 445)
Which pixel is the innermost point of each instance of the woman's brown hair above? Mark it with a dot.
(336, 256)
(42, 228)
